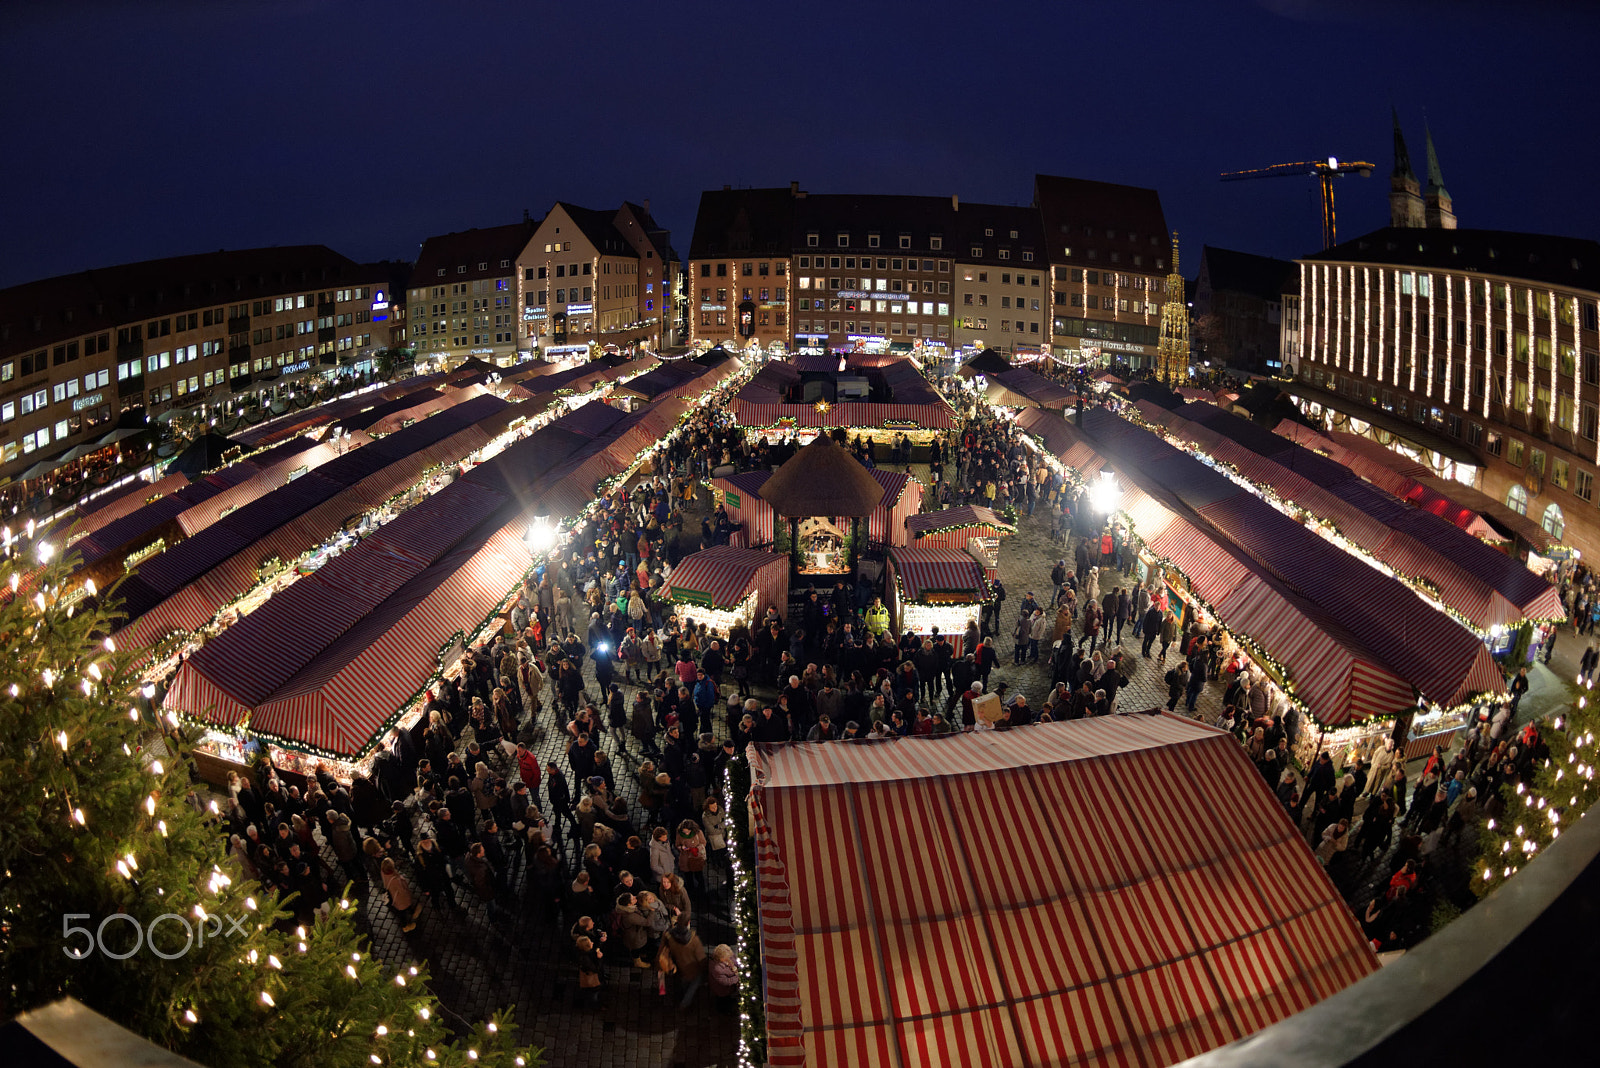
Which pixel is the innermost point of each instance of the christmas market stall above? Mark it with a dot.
(815, 489)
(1479, 585)
(878, 403)
(934, 588)
(739, 494)
(974, 528)
(1187, 914)
(1024, 388)
(724, 587)
(902, 499)
(182, 588)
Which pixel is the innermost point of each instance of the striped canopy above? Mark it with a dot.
(1176, 911)
(925, 570)
(725, 576)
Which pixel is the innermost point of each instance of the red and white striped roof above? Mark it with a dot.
(969, 516)
(1173, 909)
(929, 569)
(727, 575)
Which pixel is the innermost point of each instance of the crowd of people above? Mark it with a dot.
(617, 835)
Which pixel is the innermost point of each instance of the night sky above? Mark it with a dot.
(165, 127)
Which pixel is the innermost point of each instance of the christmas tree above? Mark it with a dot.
(115, 886)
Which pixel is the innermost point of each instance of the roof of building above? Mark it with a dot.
(600, 228)
(996, 227)
(1245, 272)
(1101, 216)
(71, 305)
(822, 479)
(459, 254)
(660, 237)
(1571, 262)
(753, 222)
(860, 216)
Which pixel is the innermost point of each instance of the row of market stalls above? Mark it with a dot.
(330, 664)
(1330, 633)
(877, 401)
(1468, 508)
(1484, 587)
(901, 924)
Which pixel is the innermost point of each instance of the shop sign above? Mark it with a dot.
(861, 294)
(730, 498)
(580, 309)
(683, 596)
(296, 368)
(713, 307)
(480, 352)
(1561, 552)
(87, 402)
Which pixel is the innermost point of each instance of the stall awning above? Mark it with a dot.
(1186, 914)
(926, 569)
(724, 576)
(919, 526)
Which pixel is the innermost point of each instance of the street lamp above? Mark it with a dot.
(1104, 495)
(541, 535)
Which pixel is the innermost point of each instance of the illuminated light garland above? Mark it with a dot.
(1532, 362)
(1395, 365)
(1555, 361)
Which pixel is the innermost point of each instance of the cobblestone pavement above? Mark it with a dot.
(482, 959)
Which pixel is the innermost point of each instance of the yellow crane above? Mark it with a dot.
(1324, 170)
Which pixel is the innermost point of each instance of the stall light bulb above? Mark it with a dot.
(432, 1055)
(156, 768)
(48, 676)
(61, 740)
(492, 1027)
(133, 714)
(382, 1030)
(77, 814)
(252, 956)
(266, 999)
(161, 825)
(111, 645)
(423, 1012)
(191, 1017)
(150, 805)
(122, 870)
(302, 947)
(472, 1054)
(38, 599)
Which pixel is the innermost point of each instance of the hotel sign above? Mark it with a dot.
(861, 294)
(296, 368)
(87, 402)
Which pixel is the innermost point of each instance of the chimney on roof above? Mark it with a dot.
(727, 188)
(647, 205)
(955, 202)
(525, 217)
(794, 189)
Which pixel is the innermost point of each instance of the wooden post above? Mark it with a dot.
(855, 542)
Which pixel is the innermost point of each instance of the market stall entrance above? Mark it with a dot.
(817, 486)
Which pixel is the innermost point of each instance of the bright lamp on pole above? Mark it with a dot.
(1105, 494)
(541, 535)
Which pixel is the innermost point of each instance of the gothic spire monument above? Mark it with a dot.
(1406, 206)
(1172, 353)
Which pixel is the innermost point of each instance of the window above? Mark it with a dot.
(1514, 453)
(1536, 460)
(1584, 488)
(1474, 435)
(1553, 520)
(1517, 499)
(1494, 444)
(1560, 472)
(844, 239)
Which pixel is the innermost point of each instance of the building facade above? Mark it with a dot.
(1238, 309)
(1108, 250)
(177, 338)
(738, 291)
(873, 271)
(462, 298)
(1002, 280)
(1475, 349)
(595, 276)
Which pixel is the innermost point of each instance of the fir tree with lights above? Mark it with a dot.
(1563, 788)
(115, 886)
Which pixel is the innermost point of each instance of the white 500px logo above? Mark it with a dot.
(194, 934)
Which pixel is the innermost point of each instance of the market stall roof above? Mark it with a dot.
(90, 516)
(1337, 675)
(822, 479)
(1438, 656)
(987, 362)
(184, 586)
(970, 515)
(1032, 388)
(297, 421)
(1186, 913)
(1108, 378)
(725, 575)
(924, 570)
(1478, 581)
(205, 453)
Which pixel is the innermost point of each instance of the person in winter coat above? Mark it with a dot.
(662, 859)
(1038, 631)
(688, 956)
(690, 846)
(724, 978)
(1334, 840)
(1169, 633)
(1177, 682)
(400, 896)
(633, 930)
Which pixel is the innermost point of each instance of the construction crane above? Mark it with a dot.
(1324, 170)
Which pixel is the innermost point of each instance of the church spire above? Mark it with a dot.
(1402, 158)
(1435, 179)
(1439, 211)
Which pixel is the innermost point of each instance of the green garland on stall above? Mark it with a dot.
(746, 916)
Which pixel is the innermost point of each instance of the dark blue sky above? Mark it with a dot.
(173, 126)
